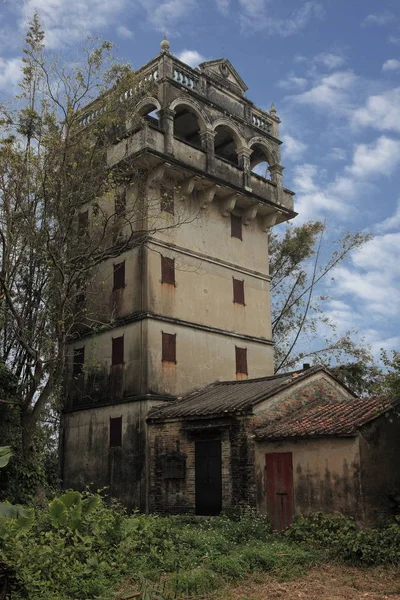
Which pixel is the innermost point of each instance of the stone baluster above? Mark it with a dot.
(207, 144)
(244, 154)
(166, 116)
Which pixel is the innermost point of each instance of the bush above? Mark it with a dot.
(340, 538)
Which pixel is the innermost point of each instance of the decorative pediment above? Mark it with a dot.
(223, 71)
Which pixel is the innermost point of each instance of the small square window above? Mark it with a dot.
(115, 432)
(117, 357)
(167, 199)
(241, 360)
(119, 276)
(168, 347)
(236, 226)
(238, 291)
(167, 270)
(79, 361)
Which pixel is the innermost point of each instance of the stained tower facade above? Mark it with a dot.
(188, 302)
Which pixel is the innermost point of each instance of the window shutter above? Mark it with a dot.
(115, 432)
(83, 223)
(119, 276)
(238, 291)
(167, 270)
(241, 360)
(117, 357)
(168, 347)
(167, 199)
(236, 226)
(79, 361)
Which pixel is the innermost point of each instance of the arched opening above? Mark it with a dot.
(259, 162)
(186, 126)
(225, 144)
(149, 112)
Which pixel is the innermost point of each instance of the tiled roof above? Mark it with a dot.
(229, 397)
(322, 417)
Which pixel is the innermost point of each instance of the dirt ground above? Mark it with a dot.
(326, 582)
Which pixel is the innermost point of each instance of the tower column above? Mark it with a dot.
(277, 178)
(207, 144)
(166, 116)
(243, 154)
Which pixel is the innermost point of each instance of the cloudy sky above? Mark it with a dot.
(332, 68)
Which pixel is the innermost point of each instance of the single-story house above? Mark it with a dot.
(289, 444)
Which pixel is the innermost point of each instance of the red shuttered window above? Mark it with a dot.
(238, 291)
(167, 270)
(168, 347)
(241, 360)
(117, 356)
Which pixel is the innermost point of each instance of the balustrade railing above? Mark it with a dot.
(260, 122)
(184, 78)
(126, 95)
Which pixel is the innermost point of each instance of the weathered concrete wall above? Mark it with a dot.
(177, 496)
(88, 459)
(203, 294)
(326, 475)
(380, 476)
(201, 357)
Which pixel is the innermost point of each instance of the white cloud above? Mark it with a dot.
(380, 111)
(329, 60)
(383, 18)
(331, 91)
(191, 57)
(66, 22)
(10, 72)
(165, 15)
(393, 64)
(223, 6)
(391, 223)
(292, 83)
(293, 148)
(124, 32)
(379, 158)
(337, 154)
(255, 16)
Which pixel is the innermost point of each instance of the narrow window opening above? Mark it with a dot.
(119, 276)
(168, 347)
(80, 301)
(120, 205)
(167, 270)
(117, 356)
(115, 432)
(238, 291)
(241, 361)
(236, 226)
(167, 199)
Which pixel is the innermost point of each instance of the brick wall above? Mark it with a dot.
(176, 495)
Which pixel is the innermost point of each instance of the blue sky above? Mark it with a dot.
(332, 68)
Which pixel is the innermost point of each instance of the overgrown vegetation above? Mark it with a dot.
(84, 547)
(341, 539)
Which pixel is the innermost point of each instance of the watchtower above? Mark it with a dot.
(189, 304)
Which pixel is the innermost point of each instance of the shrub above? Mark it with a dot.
(340, 538)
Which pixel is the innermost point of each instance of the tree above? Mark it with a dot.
(298, 269)
(53, 166)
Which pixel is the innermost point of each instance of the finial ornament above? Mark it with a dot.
(272, 110)
(165, 45)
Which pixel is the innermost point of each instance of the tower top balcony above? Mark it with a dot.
(200, 122)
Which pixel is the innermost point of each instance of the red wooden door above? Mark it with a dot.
(279, 481)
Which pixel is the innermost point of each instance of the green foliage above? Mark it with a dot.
(60, 556)
(340, 538)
